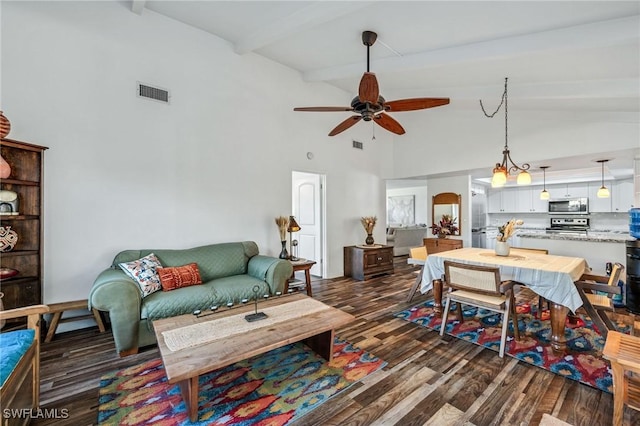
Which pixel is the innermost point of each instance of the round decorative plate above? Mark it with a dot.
(8, 238)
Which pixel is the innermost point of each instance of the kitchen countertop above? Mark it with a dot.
(591, 236)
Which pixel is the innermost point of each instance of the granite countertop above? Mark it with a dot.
(603, 236)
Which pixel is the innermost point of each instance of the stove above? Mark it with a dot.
(568, 225)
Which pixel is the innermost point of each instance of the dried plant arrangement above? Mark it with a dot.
(368, 222)
(283, 223)
(505, 231)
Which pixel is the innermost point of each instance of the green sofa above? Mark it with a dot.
(229, 272)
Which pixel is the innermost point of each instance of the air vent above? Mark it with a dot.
(154, 93)
(358, 145)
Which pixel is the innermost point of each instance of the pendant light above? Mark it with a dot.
(603, 192)
(502, 170)
(544, 195)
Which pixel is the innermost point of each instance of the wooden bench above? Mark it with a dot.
(57, 309)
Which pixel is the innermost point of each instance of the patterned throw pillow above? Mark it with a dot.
(180, 276)
(144, 272)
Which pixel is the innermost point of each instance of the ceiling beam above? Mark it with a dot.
(310, 16)
(137, 6)
(598, 34)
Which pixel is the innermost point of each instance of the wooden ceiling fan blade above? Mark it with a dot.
(389, 123)
(414, 104)
(369, 90)
(345, 124)
(323, 109)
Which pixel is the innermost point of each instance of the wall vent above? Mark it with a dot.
(154, 93)
(358, 145)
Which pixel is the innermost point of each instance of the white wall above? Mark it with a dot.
(213, 166)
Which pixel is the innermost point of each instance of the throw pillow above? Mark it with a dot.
(144, 272)
(179, 276)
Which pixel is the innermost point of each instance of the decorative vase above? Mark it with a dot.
(5, 168)
(442, 236)
(502, 248)
(8, 238)
(369, 241)
(5, 125)
(283, 253)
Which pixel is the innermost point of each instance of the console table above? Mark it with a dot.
(362, 262)
(437, 245)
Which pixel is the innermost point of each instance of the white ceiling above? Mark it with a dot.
(456, 49)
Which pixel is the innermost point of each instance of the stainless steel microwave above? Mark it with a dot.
(569, 206)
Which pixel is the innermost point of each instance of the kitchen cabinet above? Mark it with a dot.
(528, 201)
(619, 201)
(622, 196)
(26, 180)
(437, 245)
(569, 190)
(502, 200)
(362, 263)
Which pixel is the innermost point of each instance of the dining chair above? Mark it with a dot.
(480, 286)
(541, 300)
(20, 366)
(417, 256)
(622, 350)
(597, 305)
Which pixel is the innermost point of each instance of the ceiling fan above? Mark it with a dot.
(369, 105)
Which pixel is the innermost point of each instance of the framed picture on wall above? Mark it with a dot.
(401, 209)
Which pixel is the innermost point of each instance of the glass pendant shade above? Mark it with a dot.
(603, 192)
(524, 178)
(544, 195)
(499, 177)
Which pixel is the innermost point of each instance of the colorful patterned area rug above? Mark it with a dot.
(270, 389)
(582, 361)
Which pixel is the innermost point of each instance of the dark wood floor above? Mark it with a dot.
(428, 379)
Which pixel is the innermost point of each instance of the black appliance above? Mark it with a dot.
(569, 206)
(633, 276)
(573, 225)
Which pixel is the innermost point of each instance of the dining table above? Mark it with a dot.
(550, 276)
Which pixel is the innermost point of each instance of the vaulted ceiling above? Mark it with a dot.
(558, 55)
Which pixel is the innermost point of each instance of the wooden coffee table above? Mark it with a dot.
(206, 343)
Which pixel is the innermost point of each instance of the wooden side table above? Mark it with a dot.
(301, 265)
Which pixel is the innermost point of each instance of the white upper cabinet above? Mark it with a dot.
(529, 201)
(622, 196)
(526, 199)
(502, 200)
(570, 190)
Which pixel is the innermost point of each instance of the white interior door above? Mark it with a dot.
(307, 208)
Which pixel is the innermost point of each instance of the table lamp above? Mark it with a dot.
(293, 227)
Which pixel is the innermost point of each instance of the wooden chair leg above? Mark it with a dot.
(514, 317)
(444, 316)
(593, 314)
(416, 284)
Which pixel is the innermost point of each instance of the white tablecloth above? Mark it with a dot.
(550, 276)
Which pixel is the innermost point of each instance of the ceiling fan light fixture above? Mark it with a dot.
(503, 168)
(370, 106)
(603, 192)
